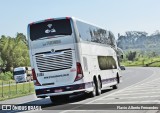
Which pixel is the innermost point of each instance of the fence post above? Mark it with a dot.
(9, 89)
(2, 88)
(29, 86)
(23, 87)
(16, 87)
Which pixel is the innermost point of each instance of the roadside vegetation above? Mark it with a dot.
(10, 89)
(136, 58)
(13, 53)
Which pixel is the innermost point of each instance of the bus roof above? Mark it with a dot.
(50, 19)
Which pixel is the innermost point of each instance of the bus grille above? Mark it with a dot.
(54, 62)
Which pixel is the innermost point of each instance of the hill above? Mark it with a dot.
(140, 41)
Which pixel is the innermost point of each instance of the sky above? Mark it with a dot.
(117, 16)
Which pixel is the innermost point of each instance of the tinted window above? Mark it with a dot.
(18, 72)
(50, 28)
(95, 34)
(106, 62)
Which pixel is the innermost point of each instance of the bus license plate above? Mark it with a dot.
(58, 90)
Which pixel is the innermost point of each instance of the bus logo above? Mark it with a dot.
(50, 30)
(49, 25)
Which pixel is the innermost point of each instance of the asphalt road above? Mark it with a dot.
(140, 85)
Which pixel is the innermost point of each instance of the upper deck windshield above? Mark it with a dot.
(51, 28)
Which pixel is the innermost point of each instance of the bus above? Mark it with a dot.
(22, 74)
(69, 56)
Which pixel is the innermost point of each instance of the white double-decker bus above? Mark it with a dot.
(70, 56)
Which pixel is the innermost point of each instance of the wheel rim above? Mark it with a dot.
(94, 89)
(99, 87)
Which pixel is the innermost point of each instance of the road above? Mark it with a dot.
(141, 85)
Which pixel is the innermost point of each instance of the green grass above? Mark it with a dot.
(6, 82)
(157, 64)
(17, 90)
(142, 62)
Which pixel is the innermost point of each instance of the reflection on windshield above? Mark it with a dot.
(18, 72)
(58, 35)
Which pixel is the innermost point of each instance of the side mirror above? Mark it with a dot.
(122, 56)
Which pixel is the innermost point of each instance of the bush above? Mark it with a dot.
(6, 76)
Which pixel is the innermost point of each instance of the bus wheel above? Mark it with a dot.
(93, 93)
(98, 92)
(114, 86)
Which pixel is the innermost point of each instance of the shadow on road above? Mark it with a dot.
(46, 102)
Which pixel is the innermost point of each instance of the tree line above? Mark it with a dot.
(140, 41)
(13, 52)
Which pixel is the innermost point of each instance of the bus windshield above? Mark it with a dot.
(52, 28)
(18, 72)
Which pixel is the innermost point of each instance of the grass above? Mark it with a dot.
(157, 64)
(142, 62)
(16, 90)
(6, 82)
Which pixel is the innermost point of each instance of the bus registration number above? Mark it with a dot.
(58, 90)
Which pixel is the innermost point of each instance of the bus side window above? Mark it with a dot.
(106, 62)
(85, 64)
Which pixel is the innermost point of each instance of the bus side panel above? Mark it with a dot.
(91, 53)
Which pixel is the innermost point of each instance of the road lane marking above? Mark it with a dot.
(148, 84)
(136, 88)
(137, 93)
(140, 90)
(132, 102)
(131, 97)
(145, 86)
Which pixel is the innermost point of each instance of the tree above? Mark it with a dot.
(14, 51)
(131, 55)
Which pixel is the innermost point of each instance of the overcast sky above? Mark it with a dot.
(115, 15)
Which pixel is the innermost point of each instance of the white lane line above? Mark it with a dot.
(137, 93)
(131, 97)
(149, 84)
(152, 81)
(146, 84)
(140, 90)
(144, 88)
(132, 102)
